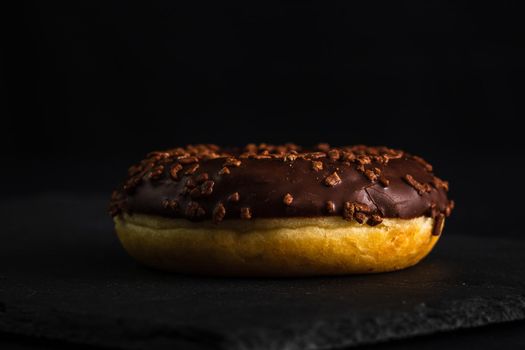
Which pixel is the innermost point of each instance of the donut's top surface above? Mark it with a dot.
(265, 181)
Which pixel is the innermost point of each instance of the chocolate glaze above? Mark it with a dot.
(263, 178)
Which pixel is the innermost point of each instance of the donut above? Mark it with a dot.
(280, 210)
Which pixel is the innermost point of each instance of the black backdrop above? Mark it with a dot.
(90, 87)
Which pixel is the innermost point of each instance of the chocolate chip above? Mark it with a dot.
(234, 197)
(332, 180)
(330, 207)
(317, 166)
(218, 213)
(246, 213)
(288, 199)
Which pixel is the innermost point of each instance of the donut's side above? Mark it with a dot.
(276, 247)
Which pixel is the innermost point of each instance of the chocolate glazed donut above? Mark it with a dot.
(280, 210)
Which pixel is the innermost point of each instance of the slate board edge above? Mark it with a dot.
(425, 320)
(345, 332)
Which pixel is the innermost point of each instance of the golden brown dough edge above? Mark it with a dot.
(275, 247)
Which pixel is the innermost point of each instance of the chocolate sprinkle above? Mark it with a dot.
(362, 208)
(449, 208)
(374, 220)
(360, 217)
(317, 166)
(194, 210)
(224, 170)
(438, 225)
(232, 162)
(365, 184)
(175, 170)
(195, 193)
(207, 188)
(190, 183)
(334, 154)
(421, 161)
(288, 199)
(348, 210)
(192, 169)
(330, 207)
(370, 175)
(420, 187)
(156, 172)
(171, 204)
(332, 180)
(188, 160)
(219, 212)
(202, 177)
(234, 197)
(384, 181)
(246, 213)
(438, 183)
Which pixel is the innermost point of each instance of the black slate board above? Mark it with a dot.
(64, 276)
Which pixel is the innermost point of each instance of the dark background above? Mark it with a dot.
(91, 87)
(87, 88)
